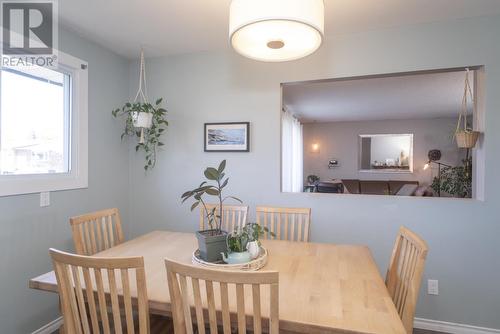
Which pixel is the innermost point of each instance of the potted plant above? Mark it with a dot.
(254, 232)
(147, 122)
(465, 136)
(237, 242)
(213, 241)
(456, 181)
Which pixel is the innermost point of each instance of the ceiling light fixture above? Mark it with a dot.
(276, 30)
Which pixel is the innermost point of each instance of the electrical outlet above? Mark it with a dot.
(433, 287)
(44, 199)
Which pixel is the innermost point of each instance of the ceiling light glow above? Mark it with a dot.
(276, 30)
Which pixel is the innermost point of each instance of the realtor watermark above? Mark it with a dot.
(29, 33)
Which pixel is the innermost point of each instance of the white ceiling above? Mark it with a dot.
(404, 97)
(182, 26)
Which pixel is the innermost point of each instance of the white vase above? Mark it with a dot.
(254, 249)
(142, 119)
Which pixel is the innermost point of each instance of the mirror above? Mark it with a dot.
(386, 153)
(389, 134)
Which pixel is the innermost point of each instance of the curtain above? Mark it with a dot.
(292, 151)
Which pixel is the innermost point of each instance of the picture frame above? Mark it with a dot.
(227, 137)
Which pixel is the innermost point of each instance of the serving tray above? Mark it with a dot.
(253, 265)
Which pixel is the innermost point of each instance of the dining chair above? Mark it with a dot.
(96, 231)
(233, 216)
(87, 312)
(405, 274)
(291, 224)
(262, 289)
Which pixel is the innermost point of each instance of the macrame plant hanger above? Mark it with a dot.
(463, 114)
(142, 92)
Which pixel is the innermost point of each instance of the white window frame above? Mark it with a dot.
(77, 177)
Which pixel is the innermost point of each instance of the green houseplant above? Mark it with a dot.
(254, 232)
(213, 241)
(456, 181)
(147, 122)
(237, 242)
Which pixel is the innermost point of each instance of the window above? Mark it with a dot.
(43, 127)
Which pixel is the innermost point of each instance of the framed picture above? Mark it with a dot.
(227, 137)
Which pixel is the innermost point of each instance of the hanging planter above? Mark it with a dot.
(465, 136)
(144, 120)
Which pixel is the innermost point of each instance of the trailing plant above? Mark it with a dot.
(456, 181)
(255, 231)
(149, 137)
(237, 241)
(216, 176)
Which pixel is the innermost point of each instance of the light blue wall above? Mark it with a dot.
(222, 86)
(27, 230)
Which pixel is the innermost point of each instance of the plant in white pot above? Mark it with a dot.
(465, 136)
(237, 242)
(144, 120)
(254, 232)
(211, 242)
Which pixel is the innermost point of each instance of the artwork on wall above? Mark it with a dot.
(227, 137)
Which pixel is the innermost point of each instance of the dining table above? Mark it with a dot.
(323, 288)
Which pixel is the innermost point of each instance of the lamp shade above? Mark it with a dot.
(276, 30)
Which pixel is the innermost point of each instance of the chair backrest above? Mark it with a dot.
(291, 224)
(232, 216)
(97, 281)
(405, 274)
(216, 284)
(97, 231)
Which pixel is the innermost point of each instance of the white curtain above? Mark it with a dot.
(292, 151)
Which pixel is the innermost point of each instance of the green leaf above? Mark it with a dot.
(195, 204)
(222, 165)
(212, 191)
(187, 193)
(137, 147)
(160, 144)
(159, 101)
(224, 184)
(235, 198)
(211, 173)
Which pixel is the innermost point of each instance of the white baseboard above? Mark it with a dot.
(452, 328)
(50, 328)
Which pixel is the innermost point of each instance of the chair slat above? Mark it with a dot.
(212, 315)
(226, 317)
(127, 301)
(200, 321)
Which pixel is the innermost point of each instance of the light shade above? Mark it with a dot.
(276, 30)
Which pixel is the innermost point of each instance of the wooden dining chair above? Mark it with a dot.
(187, 296)
(233, 216)
(405, 274)
(291, 224)
(96, 231)
(87, 312)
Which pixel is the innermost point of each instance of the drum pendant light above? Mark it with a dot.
(276, 30)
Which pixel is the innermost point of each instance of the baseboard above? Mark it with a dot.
(452, 328)
(50, 328)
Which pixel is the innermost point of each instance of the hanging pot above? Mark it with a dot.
(142, 119)
(466, 139)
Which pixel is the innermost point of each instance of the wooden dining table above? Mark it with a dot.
(323, 288)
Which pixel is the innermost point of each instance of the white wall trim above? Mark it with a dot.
(452, 328)
(51, 327)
